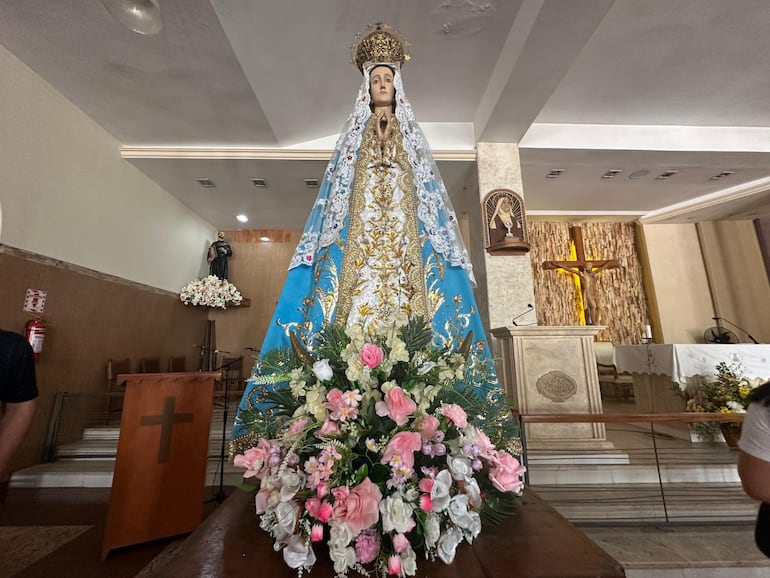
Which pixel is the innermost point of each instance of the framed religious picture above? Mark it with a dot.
(505, 225)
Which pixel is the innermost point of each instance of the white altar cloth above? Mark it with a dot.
(680, 361)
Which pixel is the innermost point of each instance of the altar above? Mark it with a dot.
(662, 371)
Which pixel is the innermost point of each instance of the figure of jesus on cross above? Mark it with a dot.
(587, 271)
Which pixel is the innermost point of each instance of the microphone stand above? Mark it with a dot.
(718, 319)
(220, 496)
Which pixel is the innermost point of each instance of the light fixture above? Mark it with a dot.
(208, 183)
(142, 16)
(259, 182)
(242, 218)
(265, 239)
(554, 174)
(665, 175)
(721, 175)
(610, 174)
(639, 174)
(311, 183)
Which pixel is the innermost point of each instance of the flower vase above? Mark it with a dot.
(732, 433)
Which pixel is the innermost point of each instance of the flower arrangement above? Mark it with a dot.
(378, 449)
(727, 393)
(210, 291)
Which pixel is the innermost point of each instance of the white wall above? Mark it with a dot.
(66, 193)
(679, 282)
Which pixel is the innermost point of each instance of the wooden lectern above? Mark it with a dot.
(160, 470)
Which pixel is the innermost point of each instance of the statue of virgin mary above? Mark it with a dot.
(382, 239)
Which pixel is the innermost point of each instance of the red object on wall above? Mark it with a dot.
(34, 331)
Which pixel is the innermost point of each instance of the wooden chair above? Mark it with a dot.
(177, 364)
(149, 365)
(611, 383)
(116, 367)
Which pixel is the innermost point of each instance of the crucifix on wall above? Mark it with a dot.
(586, 271)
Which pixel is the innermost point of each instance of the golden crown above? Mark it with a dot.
(380, 43)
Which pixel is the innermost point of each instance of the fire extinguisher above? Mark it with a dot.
(34, 331)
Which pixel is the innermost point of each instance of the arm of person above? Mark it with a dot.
(15, 422)
(755, 476)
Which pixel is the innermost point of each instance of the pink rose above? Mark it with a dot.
(360, 509)
(394, 565)
(397, 406)
(316, 533)
(334, 400)
(506, 473)
(329, 428)
(367, 546)
(312, 505)
(400, 542)
(371, 355)
(428, 425)
(403, 445)
(486, 447)
(254, 459)
(425, 485)
(455, 413)
(322, 489)
(325, 512)
(297, 426)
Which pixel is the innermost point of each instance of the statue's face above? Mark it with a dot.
(381, 86)
(505, 206)
(221, 236)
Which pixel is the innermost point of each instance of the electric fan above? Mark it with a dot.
(717, 334)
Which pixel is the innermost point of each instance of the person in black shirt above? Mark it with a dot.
(18, 394)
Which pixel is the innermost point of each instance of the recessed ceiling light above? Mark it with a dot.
(611, 173)
(665, 175)
(259, 182)
(242, 218)
(206, 183)
(311, 183)
(721, 175)
(264, 239)
(554, 174)
(639, 174)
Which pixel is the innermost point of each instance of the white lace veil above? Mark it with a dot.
(434, 209)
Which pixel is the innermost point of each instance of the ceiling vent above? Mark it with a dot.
(610, 174)
(208, 183)
(554, 174)
(666, 175)
(311, 183)
(259, 182)
(721, 175)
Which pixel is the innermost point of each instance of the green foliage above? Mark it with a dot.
(497, 507)
(416, 334)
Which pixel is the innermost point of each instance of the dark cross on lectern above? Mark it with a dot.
(166, 422)
(586, 270)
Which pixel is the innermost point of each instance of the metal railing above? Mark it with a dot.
(650, 468)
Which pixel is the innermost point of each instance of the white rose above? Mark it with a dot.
(298, 553)
(460, 468)
(396, 515)
(458, 512)
(398, 351)
(439, 493)
(322, 369)
(432, 529)
(292, 482)
(286, 514)
(447, 545)
(339, 536)
(473, 492)
(409, 562)
(475, 524)
(343, 558)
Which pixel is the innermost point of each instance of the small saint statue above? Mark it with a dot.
(219, 252)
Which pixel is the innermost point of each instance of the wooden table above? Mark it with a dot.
(537, 542)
